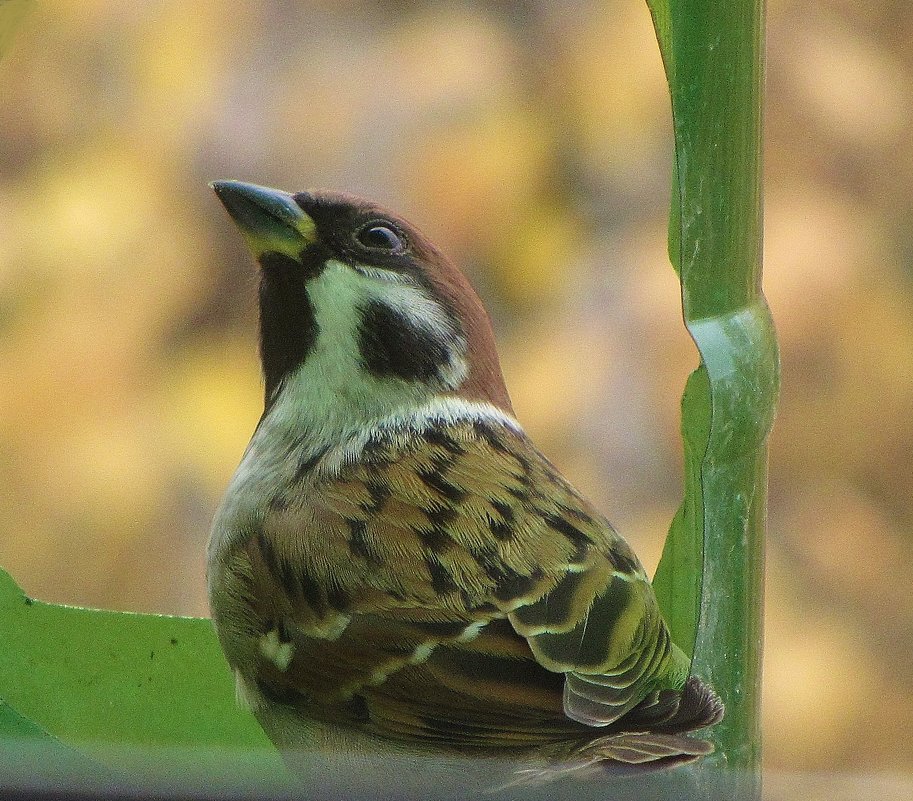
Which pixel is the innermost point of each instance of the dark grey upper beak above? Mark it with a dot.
(269, 218)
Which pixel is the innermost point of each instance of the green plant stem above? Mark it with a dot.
(713, 561)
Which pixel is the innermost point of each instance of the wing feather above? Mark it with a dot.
(450, 586)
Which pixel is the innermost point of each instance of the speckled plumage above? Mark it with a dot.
(414, 570)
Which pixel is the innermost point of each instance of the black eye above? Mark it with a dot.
(378, 236)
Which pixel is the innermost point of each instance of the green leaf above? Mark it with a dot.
(108, 682)
(15, 727)
(679, 575)
(26, 747)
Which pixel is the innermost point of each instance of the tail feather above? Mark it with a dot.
(695, 706)
(651, 737)
(643, 748)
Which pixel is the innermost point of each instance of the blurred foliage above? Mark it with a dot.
(532, 141)
(11, 15)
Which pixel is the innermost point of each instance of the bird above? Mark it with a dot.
(394, 566)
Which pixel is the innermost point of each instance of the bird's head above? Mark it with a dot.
(360, 314)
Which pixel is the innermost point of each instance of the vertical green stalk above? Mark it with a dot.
(710, 579)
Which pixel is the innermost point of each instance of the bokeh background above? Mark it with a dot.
(531, 139)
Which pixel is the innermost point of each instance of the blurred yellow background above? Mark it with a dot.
(532, 141)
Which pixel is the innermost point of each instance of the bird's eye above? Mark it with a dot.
(377, 236)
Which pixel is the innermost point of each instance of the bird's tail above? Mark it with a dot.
(694, 706)
(652, 736)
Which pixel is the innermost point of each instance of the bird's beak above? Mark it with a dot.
(270, 220)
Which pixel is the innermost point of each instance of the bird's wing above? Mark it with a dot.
(423, 588)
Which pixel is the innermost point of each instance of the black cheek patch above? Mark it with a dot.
(391, 346)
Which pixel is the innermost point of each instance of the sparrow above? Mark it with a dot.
(394, 565)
